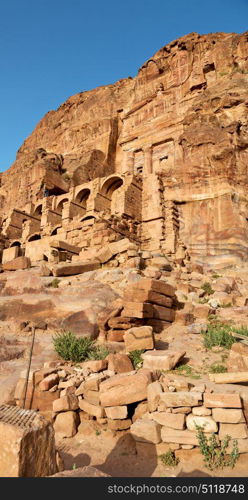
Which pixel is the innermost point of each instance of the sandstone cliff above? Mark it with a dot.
(181, 120)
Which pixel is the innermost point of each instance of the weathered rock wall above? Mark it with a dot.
(181, 124)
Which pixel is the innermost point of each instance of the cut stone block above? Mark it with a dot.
(153, 395)
(139, 338)
(158, 286)
(134, 294)
(176, 399)
(162, 360)
(236, 431)
(116, 412)
(137, 310)
(119, 363)
(201, 411)
(172, 420)
(16, 264)
(242, 445)
(75, 268)
(228, 416)
(49, 382)
(63, 245)
(220, 400)
(169, 435)
(124, 389)
(66, 423)
(163, 313)
(66, 403)
(27, 445)
(146, 430)
(10, 254)
(92, 397)
(119, 425)
(95, 411)
(207, 423)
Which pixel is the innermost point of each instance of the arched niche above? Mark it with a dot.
(60, 205)
(34, 237)
(55, 230)
(82, 197)
(38, 211)
(16, 243)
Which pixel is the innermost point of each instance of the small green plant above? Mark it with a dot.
(229, 304)
(77, 349)
(215, 454)
(136, 358)
(215, 276)
(218, 334)
(215, 368)
(74, 467)
(169, 459)
(203, 301)
(207, 288)
(186, 370)
(99, 352)
(54, 283)
(98, 432)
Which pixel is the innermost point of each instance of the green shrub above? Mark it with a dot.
(99, 352)
(215, 276)
(169, 459)
(136, 358)
(77, 349)
(218, 334)
(207, 288)
(215, 368)
(54, 283)
(215, 454)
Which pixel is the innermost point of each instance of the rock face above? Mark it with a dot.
(166, 152)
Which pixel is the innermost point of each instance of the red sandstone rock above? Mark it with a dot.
(18, 263)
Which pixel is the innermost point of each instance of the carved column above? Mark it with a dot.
(147, 160)
(128, 162)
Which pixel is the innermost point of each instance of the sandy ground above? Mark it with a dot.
(115, 455)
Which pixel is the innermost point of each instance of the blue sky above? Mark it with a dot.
(51, 49)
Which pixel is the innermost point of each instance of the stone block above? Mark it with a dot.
(228, 416)
(238, 358)
(153, 395)
(137, 310)
(10, 254)
(66, 403)
(201, 411)
(66, 423)
(116, 412)
(139, 338)
(236, 431)
(157, 286)
(170, 435)
(71, 269)
(27, 445)
(134, 294)
(17, 264)
(95, 411)
(146, 430)
(119, 425)
(207, 423)
(176, 399)
(222, 400)
(119, 363)
(49, 382)
(92, 397)
(172, 420)
(124, 389)
(163, 313)
(162, 360)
